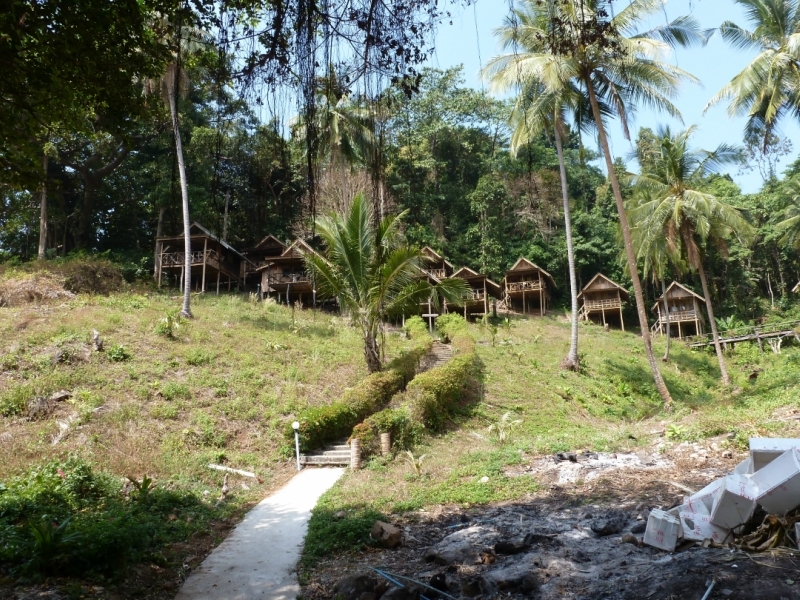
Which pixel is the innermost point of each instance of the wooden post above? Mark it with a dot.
(386, 443)
(229, 283)
(205, 248)
(760, 343)
(218, 273)
(430, 318)
(680, 333)
(603, 312)
(181, 284)
(621, 321)
(485, 299)
(355, 454)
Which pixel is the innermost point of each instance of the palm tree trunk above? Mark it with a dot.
(186, 310)
(723, 369)
(570, 362)
(666, 312)
(159, 233)
(626, 235)
(43, 214)
(372, 352)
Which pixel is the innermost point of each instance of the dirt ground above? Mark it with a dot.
(563, 558)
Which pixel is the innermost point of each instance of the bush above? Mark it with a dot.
(429, 399)
(324, 424)
(118, 354)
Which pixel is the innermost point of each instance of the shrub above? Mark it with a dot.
(118, 354)
(14, 400)
(198, 357)
(323, 424)
(429, 399)
(172, 391)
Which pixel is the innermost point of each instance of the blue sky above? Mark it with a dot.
(470, 40)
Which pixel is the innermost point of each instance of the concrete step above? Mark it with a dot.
(323, 460)
(337, 454)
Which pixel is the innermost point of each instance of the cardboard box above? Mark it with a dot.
(699, 527)
(663, 530)
(734, 502)
(764, 450)
(779, 483)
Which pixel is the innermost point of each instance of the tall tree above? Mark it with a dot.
(768, 88)
(688, 218)
(372, 272)
(614, 64)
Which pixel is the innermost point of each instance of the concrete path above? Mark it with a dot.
(257, 560)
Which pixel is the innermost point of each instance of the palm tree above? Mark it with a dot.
(769, 86)
(606, 57)
(372, 273)
(172, 84)
(688, 219)
(538, 110)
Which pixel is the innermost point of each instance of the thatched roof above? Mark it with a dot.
(601, 283)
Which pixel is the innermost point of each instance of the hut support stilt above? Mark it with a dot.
(205, 248)
(218, 282)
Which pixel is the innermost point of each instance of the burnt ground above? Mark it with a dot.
(481, 551)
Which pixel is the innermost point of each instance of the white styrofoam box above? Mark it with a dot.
(663, 530)
(699, 527)
(764, 450)
(779, 483)
(745, 467)
(734, 502)
(695, 505)
(706, 496)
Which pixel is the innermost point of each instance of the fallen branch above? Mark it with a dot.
(229, 470)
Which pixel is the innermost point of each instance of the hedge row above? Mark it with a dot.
(429, 399)
(324, 424)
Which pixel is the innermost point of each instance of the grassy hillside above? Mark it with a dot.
(611, 404)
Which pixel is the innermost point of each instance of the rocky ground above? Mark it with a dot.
(579, 539)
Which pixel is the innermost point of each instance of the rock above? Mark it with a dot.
(404, 593)
(386, 534)
(513, 546)
(629, 538)
(97, 341)
(353, 586)
(508, 576)
(639, 527)
(484, 479)
(339, 514)
(530, 583)
(38, 408)
(570, 456)
(438, 581)
(462, 547)
(613, 522)
(58, 356)
(60, 396)
(727, 454)
(474, 586)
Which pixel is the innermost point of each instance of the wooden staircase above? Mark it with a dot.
(440, 353)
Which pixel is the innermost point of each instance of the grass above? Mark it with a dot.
(610, 405)
(220, 389)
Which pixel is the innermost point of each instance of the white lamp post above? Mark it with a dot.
(296, 427)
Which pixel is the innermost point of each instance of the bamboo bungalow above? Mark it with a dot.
(260, 254)
(482, 289)
(685, 316)
(435, 264)
(212, 260)
(527, 286)
(285, 276)
(601, 300)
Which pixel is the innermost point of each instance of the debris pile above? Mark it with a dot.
(727, 509)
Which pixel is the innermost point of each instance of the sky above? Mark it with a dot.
(470, 41)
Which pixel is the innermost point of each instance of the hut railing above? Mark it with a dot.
(438, 273)
(290, 278)
(519, 286)
(680, 315)
(602, 304)
(478, 294)
(177, 259)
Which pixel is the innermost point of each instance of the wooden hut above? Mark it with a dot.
(527, 286)
(435, 264)
(685, 312)
(261, 254)
(212, 261)
(285, 278)
(482, 288)
(601, 300)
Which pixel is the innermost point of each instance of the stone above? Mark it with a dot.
(462, 547)
(353, 586)
(484, 479)
(530, 583)
(509, 575)
(475, 586)
(38, 408)
(613, 522)
(438, 581)
(513, 546)
(639, 527)
(629, 538)
(386, 534)
(403, 593)
(58, 356)
(60, 396)
(727, 454)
